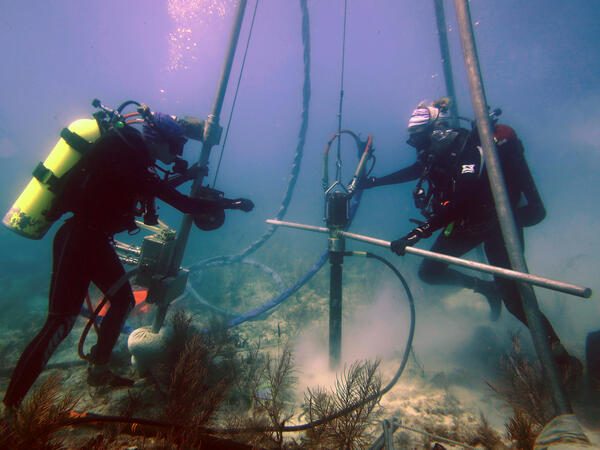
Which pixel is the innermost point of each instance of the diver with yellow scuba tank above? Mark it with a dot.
(104, 172)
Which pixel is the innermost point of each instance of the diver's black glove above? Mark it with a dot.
(366, 182)
(243, 204)
(399, 245)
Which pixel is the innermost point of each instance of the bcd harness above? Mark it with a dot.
(424, 198)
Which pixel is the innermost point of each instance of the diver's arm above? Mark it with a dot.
(404, 175)
(192, 205)
(188, 175)
(193, 127)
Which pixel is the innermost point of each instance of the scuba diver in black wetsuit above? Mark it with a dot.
(453, 194)
(104, 192)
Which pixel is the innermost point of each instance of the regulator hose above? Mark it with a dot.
(91, 321)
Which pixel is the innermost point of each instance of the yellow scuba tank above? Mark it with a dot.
(29, 215)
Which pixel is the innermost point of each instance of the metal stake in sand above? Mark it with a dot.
(337, 219)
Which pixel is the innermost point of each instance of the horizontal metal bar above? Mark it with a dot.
(301, 226)
(547, 283)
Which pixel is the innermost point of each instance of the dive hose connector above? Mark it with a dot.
(145, 112)
(113, 115)
(336, 244)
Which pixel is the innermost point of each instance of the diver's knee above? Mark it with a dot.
(515, 307)
(429, 274)
(60, 324)
(124, 305)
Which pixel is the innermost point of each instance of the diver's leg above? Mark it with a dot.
(436, 272)
(36, 355)
(67, 289)
(497, 255)
(108, 271)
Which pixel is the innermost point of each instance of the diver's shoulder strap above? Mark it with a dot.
(47, 177)
(75, 141)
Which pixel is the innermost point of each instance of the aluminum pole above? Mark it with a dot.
(503, 207)
(211, 137)
(212, 127)
(446, 63)
(547, 283)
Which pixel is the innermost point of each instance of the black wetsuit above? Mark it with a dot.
(457, 197)
(103, 194)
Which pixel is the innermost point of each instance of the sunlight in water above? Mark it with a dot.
(189, 17)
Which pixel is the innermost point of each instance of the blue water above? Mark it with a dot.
(539, 60)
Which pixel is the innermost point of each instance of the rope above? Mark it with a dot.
(338, 166)
(237, 88)
(224, 260)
